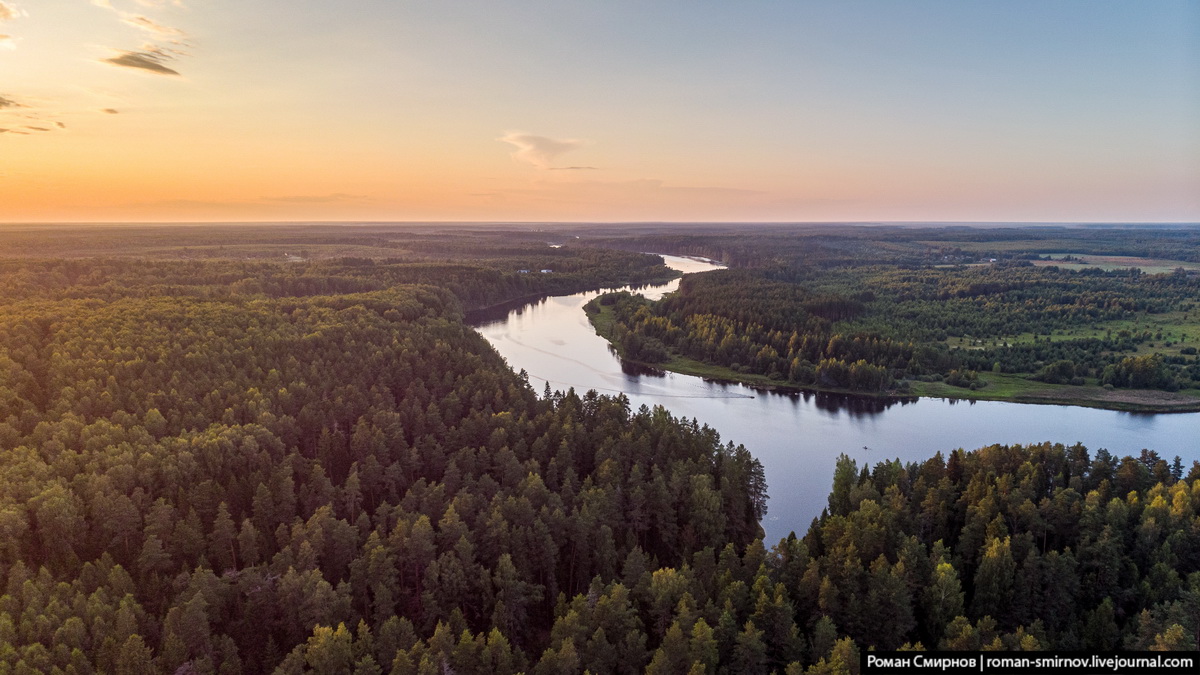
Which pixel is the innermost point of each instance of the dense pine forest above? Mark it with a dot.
(210, 464)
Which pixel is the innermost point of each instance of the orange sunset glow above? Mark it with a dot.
(203, 110)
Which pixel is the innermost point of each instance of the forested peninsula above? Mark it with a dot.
(249, 451)
(900, 315)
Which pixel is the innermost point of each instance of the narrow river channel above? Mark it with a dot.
(798, 437)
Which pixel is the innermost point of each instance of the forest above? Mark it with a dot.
(832, 245)
(221, 465)
(886, 324)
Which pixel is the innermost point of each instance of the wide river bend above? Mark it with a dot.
(798, 437)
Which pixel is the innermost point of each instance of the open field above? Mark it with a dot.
(1007, 387)
(1170, 332)
(1080, 261)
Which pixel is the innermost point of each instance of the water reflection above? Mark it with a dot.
(636, 370)
(858, 406)
(502, 312)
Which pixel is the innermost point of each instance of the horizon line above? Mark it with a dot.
(866, 223)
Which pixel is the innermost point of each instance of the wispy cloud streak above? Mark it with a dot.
(150, 60)
(539, 151)
(22, 118)
(150, 26)
(8, 12)
(318, 199)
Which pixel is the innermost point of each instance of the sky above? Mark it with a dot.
(604, 110)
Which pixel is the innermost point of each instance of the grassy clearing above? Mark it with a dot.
(602, 319)
(1002, 387)
(1170, 331)
(1004, 246)
(708, 371)
(1083, 261)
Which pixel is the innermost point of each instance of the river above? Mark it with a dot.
(798, 437)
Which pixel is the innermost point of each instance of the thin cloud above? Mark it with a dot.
(8, 12)
(110, 111)
(153, 57)
(539, 151)
(647, 185)
(317, 199)
(23, 121)
(574, 168)
(195, 204)
(150, 60)
(637, 189)
(150, 26)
